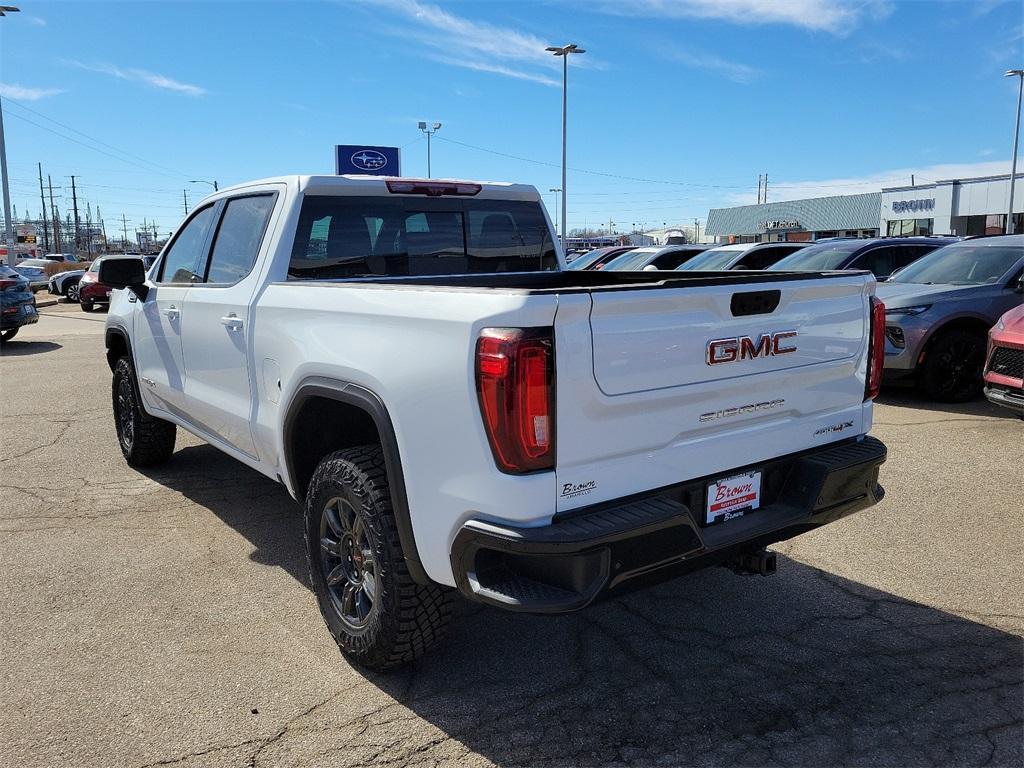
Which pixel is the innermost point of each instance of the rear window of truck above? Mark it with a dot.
(348, 237)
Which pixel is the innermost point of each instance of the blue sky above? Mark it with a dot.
(676, 107)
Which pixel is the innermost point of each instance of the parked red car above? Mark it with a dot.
(1004, 367)
(91, 291)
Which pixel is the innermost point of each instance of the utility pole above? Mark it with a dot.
(54, 217)
(74, 203)
(8, 224)
(766, 189)
(1009, 229)
(184, 196)
(42, 202)
(124, 229)
(564, 51)
(103, 229)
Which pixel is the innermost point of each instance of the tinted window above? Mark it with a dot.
(908, 254)
(181, 260)
(341, 237)
(238, 238)
(877, 261)
(762, 258)
(673, 259)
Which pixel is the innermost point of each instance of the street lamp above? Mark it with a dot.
(1018, 73)
(564, 52)
(430, 132)
(556, 190)
(203, 181)
(8, 222)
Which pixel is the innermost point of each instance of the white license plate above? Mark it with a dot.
(732, 497)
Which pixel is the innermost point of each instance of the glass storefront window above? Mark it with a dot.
(982, 224)
(909, 227)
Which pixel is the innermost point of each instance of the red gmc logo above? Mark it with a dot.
(746, 348)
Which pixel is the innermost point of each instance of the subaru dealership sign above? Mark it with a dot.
(375, 161)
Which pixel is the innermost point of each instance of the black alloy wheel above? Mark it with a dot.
(953, 367)
(347, 562)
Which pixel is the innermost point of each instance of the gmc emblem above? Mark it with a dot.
(746, 348)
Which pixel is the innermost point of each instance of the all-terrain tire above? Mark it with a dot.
(952, 368)
(145, 440)
(405, 619)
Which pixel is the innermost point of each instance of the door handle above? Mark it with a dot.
(232, 322)
(171, 312)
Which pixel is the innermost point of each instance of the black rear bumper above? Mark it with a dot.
(614, 546)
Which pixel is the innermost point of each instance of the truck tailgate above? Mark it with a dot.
(657, 385)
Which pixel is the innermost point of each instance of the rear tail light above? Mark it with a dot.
(876, 350)
(432, 188)
(515, 386)
(8, 284)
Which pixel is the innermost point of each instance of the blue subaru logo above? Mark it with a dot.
(369, 160)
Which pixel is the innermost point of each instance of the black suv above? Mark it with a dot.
(881, 256)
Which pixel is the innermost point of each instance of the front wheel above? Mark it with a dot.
(952, 369)
(71, 292)
(144, 439)
(379, 616)
(88, 306)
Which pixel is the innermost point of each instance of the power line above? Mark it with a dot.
(91, 138)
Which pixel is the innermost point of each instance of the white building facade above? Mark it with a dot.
(962, 207)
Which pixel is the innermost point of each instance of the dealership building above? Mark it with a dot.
(955, 207)
(974, 206)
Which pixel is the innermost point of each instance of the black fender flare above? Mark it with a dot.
(370, 402)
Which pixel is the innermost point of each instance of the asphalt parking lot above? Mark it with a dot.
(163, 618)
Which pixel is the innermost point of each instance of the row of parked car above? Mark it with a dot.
(18, 286)
(953, 306)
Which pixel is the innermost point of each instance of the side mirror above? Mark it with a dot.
(650, 268)
(124, 273)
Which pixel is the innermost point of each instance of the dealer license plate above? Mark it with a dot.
(732, 497)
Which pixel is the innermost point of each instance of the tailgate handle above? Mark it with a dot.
(755, 303)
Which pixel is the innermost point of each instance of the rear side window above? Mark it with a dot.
(340, 237)
(878, 261)
(238, 238)
(180, 264)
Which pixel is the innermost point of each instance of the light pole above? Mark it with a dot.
(564, 52)
(556, 190)
(8, 223)
(1018, 73)
(203, 181)
(430, 132)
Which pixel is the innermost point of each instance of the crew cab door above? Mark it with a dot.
(157, 324)
(216, 336)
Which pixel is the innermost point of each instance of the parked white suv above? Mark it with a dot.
(456, 412)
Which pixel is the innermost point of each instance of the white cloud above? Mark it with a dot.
(799, 190)
(143, 76)
(735, 71)
(26, 93)
(835, 16)
(37, 21)
(476, 45)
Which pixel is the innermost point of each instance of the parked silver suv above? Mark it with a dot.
(938, 311)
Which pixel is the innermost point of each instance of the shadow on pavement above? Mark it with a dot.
(14, 347)
(979, 406)
(804, 668)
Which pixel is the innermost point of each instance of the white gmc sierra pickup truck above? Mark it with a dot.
(456, 412)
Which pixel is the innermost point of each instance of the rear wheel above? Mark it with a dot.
(87, 306)
(7, 335)
(378, 615)
(952, 368)
(144, 439)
